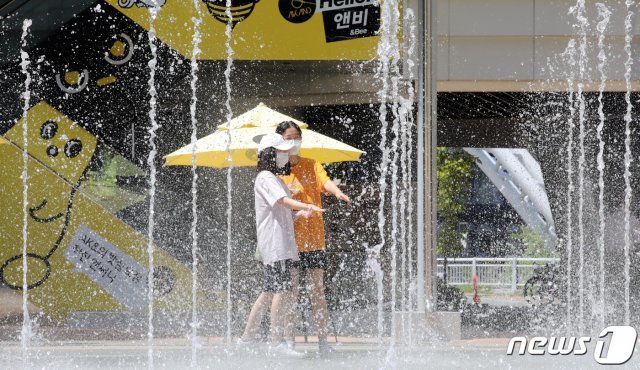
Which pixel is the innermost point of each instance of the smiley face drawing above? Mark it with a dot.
(58, 147)
(95, 71)
(120, 50)
(94, 89)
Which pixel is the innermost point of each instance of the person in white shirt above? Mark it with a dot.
(275, 235)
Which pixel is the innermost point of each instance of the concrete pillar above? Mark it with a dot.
(426, 324)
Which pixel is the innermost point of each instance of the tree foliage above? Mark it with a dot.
(533, 243)
(455, 173)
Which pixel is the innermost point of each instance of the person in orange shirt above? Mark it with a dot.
(307, 181)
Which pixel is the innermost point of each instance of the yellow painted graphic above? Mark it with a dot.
(260, 30)
(79, 256)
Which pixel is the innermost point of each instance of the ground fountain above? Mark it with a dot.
(153, 13)
(229, 115)
(586, 271)
(26, 332)
(195, 324)
(603, 15)
(627, 157)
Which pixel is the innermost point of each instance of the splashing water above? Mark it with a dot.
(153, 13)
(579, 10)
(409, 160)
(26, 333)
(227, 77)
(406, 195)
(395, 129)
(604, 14)
(194, 182)
(387, 65)
(374, 265)
(570, 53)
(628, 38)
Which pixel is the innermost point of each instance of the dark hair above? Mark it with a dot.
(267, 162)
(284, 125)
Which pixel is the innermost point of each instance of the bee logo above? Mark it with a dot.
(237, 12)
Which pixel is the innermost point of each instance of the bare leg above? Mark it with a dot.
(280, 305)
(292, 313)
(256, 315)
(319, 303)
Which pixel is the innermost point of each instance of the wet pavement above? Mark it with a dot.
(351, 353)
(56, 347)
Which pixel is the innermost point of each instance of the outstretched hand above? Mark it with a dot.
(343, 197)
(308, 212)
(314, 208)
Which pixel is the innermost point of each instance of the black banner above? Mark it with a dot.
(351, 22)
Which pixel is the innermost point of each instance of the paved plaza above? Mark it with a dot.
(213, 353)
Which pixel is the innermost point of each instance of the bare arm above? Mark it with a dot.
(299, 206)
(333, 189)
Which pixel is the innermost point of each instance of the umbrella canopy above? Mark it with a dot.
(260, 116)
(211, 150)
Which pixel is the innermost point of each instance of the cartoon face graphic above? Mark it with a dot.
(65, 149)
(53, 139)
(120, 51)
(95, 71)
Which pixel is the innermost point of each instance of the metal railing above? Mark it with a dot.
(507, 272)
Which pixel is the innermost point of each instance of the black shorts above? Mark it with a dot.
(313, 260)
(277, 277)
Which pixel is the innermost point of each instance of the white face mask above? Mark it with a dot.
(297, 144)
(282, 159)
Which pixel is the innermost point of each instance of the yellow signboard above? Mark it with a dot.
(267, 29)
(79, 256)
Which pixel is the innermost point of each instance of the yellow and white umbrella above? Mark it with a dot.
(241, 136)
(260, 116)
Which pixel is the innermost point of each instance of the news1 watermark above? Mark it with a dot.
(614, 345)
